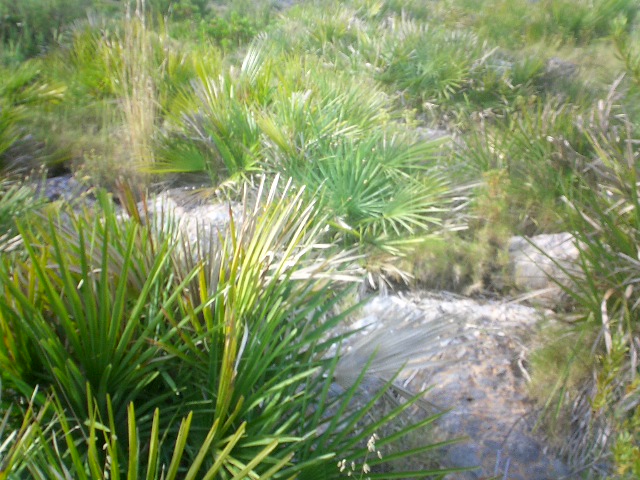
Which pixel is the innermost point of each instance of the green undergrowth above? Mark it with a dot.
(535, 125)
(141, 354)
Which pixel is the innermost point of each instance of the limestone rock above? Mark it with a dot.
(541, 264)
(197, 221)
(559, 69)
(484, 382)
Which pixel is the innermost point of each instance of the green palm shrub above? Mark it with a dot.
(227, 25)
(451, 75)
(34, 448)
(348, 40)
(27, 85)
(215, 129)
(609, 228)
(325, 31)
(324, 131)
(377, 181)
(541, 151)
(17, 201)
(590, 21)
(412, 8)
(97, 330)
(598, 378)
(232, 30)
(33, 25)
(328, 101)
(513, 24)
(123, 75)
(131, 330)
(377, 190)
(500, 86)
(93, 57)
(9, 131)
(429, 64)
(628, 49)
(25, 93)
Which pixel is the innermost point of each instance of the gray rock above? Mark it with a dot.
(540, 264)
(482, 383)
(463, 455)
(199, 223)
(524, 449)
(64, 187)
(559, 69)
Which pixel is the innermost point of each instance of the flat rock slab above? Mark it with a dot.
(484, 385)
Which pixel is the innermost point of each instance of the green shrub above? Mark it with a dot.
(96, 333)
(122, 79)
(453, 76)
(214, 129)
(606, 223)
(341, 37)
(193, 10)
(33, 25)
(513, 24)
(429, 64)
(35, 448)
(132, 330)
(379, 187)
(232, 31)
(9, 131)
(16, 201)
(376, 190)
(541, 151)
(25, 94)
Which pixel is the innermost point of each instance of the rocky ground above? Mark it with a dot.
(484, 384)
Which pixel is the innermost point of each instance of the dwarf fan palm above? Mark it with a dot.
(235, 336)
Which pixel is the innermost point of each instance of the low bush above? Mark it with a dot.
(514, 24)
(132, 331)
(324, 132)
(598, 381)
(429, 64)
(214, 127)
(24, 95)
(16, 201)
(541, 153)
(31, 26)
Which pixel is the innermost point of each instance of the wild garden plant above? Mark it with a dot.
(214, 127)
(514, 24)
(9, 130)
(373, 188)
(121, 77)
(131, 331)
(32, 26)
(22, 90)
(427, 63)
(628, 50)
(451, 76)
(381, 187)
(598, 383)
(540, 150)
(323, 32)
(16, 201)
